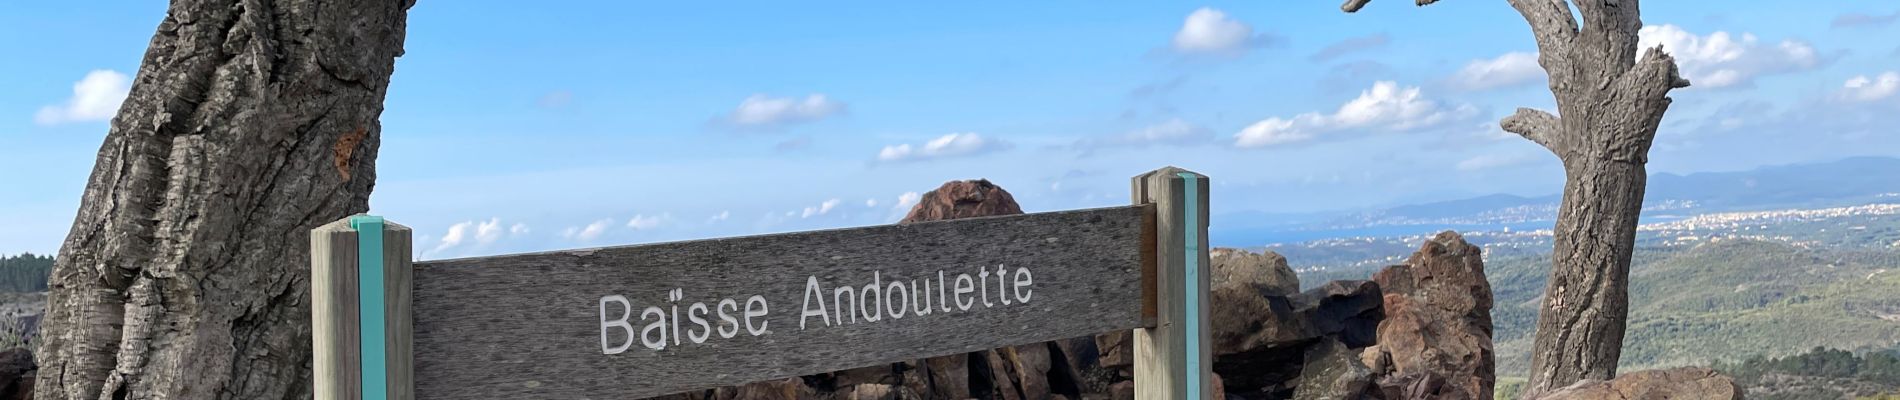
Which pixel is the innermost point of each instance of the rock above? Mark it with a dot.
(1124, 390)
(1435, 340)
(873, 391)
(1029, 366)
(789, 388)
(1332, 371)
(1118, 349)
(1261, 341)
(949, 376)
(1688, 383)
(1002, 387)
(17, 370)
(1265, 271)
(963, 199)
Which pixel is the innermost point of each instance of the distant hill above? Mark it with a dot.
(1851, 181)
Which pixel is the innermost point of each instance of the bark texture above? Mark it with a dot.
(186, 272)
(1609, 103)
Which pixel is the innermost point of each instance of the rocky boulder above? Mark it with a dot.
(1689, 383)
(1435, 341)
(1266, 271)
(963, 199)
(1263, 344)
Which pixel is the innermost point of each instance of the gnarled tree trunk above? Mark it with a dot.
(186, 272)
(1610, 103)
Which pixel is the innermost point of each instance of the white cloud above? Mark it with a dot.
(95, 98)
(590, 232)
(820, 209)
(721, 216)
(1211, 31)
(518, 229)
(1866, 89)
(641, 222)
(761, 110)
(1384, 107)
(480, 233)
(1172, 132)
(946, 146)
(1724, 60)
(1510, 69)
(870, 202)
(906, 200)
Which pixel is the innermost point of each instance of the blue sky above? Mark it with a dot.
(512, 128)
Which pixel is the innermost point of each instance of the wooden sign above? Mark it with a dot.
(649, 320)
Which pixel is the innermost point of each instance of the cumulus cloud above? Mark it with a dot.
(870, 202)
(1864, 88)
(1721, 60)
(1385, 107)
(762, 111)
(1508, 70)
(1351, 45)
(1211, 31)
(721, 216)
(476, 233)
(907, 200)
(641, 222)
(946, 146)
(1852, 20)
(1172, 132)
(95, 98)
(820, 209)
(590, 232)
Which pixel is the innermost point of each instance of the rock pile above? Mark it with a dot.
(1435, 342)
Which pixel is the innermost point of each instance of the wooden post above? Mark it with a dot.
(355, 263)
(1174, 359)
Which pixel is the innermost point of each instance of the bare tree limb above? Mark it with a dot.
(1659, 67)
(1355, 5)
(1538, 126)
(1555, 29)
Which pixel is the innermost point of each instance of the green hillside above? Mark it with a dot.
(1725, 301)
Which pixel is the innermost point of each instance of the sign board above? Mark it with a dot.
(649, 320)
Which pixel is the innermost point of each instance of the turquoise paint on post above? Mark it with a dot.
(1193, 289)
(369, 303)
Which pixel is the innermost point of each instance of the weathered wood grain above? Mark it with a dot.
(336, 371)
(1166, 353)
(530, 325)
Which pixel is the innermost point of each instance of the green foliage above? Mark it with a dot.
(1839, 369)
(25, 273)
(1508, 388)
(1691, 305)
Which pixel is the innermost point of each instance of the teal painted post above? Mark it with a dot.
(1191, 289)
(370, 306)
(1174, 358)
(361, 325)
